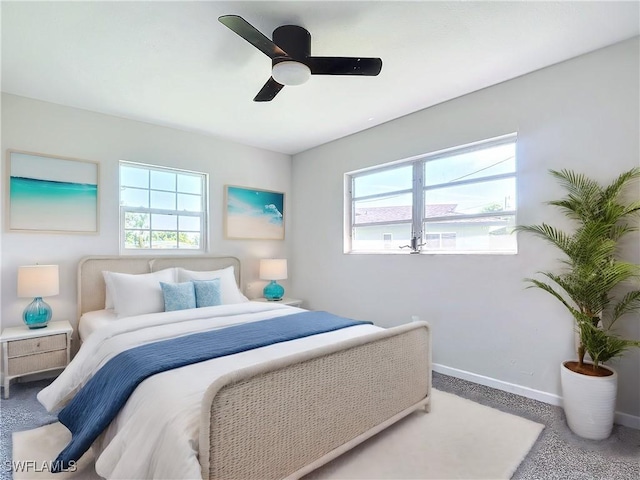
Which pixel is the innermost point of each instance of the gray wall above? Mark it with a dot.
(47, 128)
(582, 114)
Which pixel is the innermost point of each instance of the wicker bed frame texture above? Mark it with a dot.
(285, 418)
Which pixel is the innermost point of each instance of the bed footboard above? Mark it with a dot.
(287, 417)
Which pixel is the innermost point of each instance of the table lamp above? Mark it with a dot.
(273, 269)
(37, 281)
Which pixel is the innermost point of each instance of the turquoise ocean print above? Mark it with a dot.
(38, 204)
(254, 213)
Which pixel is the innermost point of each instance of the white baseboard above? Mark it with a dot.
(550, 398)
(627, 420)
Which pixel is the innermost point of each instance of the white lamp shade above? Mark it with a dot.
(273, 269)
(38, 281)
(290, 73)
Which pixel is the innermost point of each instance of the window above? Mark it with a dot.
(162, 208)
(462, 200)
(440, 240)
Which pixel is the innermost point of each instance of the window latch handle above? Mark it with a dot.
(414, 245)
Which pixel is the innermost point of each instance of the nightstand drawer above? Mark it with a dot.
(26, 351)
(37, 362)
(29, 346)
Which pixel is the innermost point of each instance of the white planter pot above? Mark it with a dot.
(589, 402)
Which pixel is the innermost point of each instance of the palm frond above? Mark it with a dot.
(612, 192)
(570, 206)
(631, 209)
(583, 193)
(548, 233)
(602, 346)
(591, 243)
(629, 303)
(548, 288)
(576, 184)
(619, 231)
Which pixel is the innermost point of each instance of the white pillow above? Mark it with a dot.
(137, 294)
(229, 291)
(108, 301)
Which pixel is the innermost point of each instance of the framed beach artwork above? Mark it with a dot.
(52, 194)
(251, 213)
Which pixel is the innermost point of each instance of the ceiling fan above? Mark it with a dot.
(290, 53)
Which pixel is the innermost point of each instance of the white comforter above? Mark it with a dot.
(155, 435)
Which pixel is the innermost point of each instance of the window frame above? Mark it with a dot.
(418, 217)
(203, 215)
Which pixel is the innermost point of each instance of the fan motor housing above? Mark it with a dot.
(294, 40)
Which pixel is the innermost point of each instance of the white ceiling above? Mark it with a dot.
(174, 64)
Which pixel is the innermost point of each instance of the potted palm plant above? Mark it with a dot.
(598, 287)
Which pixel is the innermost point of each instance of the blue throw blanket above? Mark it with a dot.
(100, 400)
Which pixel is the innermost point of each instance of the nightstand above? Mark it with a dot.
(26, 351)
(294, 302)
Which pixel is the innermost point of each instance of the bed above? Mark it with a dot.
(278, 411)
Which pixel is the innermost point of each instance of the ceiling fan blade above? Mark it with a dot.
(268, 91)
(247, 31)
(344, 66)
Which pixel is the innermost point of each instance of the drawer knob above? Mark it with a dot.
(38, 345)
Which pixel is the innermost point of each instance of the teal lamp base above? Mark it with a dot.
(273, 291)
(37, 314)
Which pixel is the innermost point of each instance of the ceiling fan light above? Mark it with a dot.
(290, 73)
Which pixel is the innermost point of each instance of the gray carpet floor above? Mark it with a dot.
(558, 453)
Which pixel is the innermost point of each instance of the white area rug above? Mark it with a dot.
(458, 439)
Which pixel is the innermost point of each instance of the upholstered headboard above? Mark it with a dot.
(91, 287)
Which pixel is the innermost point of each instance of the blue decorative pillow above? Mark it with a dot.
(178, 296)
(208, 293)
